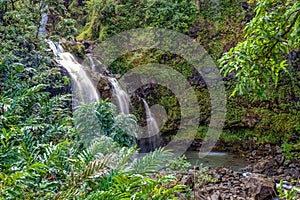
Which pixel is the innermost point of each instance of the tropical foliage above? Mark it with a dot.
(42, 155)
(107, 18)
(262, 57)
(48, 152)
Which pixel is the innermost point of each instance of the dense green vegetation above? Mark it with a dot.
(262, 57)
(106, 18)
(42, 155)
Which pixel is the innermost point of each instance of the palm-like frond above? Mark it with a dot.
(127, 187)
(151, 162)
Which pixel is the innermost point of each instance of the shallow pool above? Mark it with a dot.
(216, 159)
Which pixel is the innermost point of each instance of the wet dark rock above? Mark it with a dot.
(104, 88)
(193, 33)
(294, 138)
(279, 159)
(280, 171)
(294, 173)
(257, 181)
(260, 166)
(87, 45)
(292, 165)
(187, 180)
(215, 196)
(245, 5)
(287, 162)
(197, 79)
(288, 178)
(260, 187)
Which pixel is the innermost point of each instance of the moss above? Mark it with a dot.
(77, 49)
(220, 25)
(277, 118)
(202, 130)
(87, 33)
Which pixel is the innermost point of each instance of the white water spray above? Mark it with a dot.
(151, 138)
(96, 65)
(84, 89)
(122, 97)
(152, 125)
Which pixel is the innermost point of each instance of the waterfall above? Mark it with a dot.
(151, 121)
(122, 97)
(96, 67)
(83, 88)
(92, 63)
(85, 91)
(43, 23)
(151, 138)
(44, 19)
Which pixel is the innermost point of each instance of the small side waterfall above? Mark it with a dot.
(84, 89)
(96, 65)
(121, 96)
(56, 48)
(92, 64)
(151, 121)
(44, 20)
(151, 138)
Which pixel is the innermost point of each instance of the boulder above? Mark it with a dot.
(187, 180)
(260, 188)
(104, 87)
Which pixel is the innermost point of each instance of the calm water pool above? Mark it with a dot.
(217, 159)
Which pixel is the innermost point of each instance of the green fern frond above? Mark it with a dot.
(128, 187)
(122, 159)
(96, 168)
(151, 162)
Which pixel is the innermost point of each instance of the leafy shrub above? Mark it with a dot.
(116, 126)
(101, 118)
(288, 194)
(203, 176)
(179, 164)
(270, 36)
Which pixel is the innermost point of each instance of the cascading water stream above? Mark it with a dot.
(152, 125)
(92, 64)
(96, 65)
(151, 138)
(84, 91)
(44, 20)
(83, 88)
(122, 97)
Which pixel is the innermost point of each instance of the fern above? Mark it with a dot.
(123, 159)
(95, 168)
(151, 162)
(139, 187)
